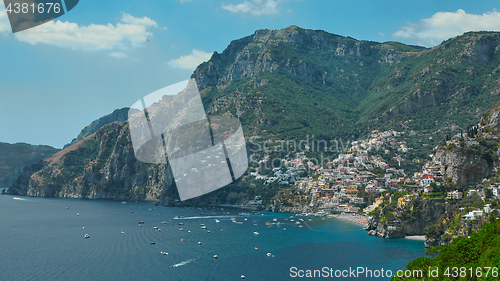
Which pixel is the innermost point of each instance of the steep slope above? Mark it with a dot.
(274, 78)
(120, 115)
(294, 81)
(480, 252)
(451, 84)
(102, 165)
(292, 84)
(473, 155)
(14, 157)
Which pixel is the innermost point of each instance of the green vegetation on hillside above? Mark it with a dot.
(466, 258)
(337, 87)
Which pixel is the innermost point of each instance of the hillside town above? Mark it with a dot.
(359, 180)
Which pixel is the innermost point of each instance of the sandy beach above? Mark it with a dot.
(352, 218)
(416, 237)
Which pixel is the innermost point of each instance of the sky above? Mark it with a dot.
(58, 77)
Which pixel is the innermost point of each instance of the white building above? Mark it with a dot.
(370, 188)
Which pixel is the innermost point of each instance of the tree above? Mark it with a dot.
(488, 193)
(494, 204)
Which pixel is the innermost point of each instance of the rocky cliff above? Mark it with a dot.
(120, 115)
(413, 220)
(463, 166)
(473, 155)
(14, 157)
(364, 84)
(102, 165)
(289, 84)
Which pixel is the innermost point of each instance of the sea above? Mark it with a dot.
(44, 239)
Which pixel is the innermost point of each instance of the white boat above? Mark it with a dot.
(256, 233)
(86, 236)
(216, 220)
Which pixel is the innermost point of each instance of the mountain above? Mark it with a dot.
(473, 155)
(102, 165)
(120, 115)
(14, 157)
(292, 84)
(294, 81)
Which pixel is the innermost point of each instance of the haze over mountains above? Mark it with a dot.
(14, 157)
(286, 84)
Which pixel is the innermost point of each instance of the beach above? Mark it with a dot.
(352, 218)
(416, 237)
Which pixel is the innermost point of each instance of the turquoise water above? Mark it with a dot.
(43, 239)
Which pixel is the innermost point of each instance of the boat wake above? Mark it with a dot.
(202, 217)
(183, 263)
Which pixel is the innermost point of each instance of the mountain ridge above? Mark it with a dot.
(288, 84)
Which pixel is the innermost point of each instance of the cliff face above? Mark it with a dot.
(465, 166)
(118, 115)
(288, 51)
(14, 157)
(292, 84)
(434, 83)
(420, 214)
(365, 84)
(102, 165)
(473, 156)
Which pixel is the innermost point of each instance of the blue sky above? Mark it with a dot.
(58, 77)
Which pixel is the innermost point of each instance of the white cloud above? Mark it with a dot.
(118, 55)
(4, 22)
(443, 25)
(192, 60)
(254, 8)
(128, 32)
(127, 18)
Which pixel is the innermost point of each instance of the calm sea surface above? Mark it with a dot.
(43, 239)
